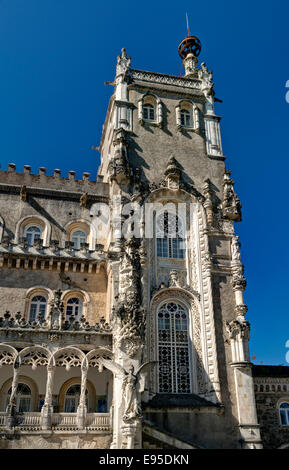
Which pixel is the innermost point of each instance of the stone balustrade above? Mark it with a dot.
(32, 421)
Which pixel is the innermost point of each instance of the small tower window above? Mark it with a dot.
(37, 307)
(284, 414)
(77, 238)
(32, 233)
(148, 112)
(74, 307)
(185, 118)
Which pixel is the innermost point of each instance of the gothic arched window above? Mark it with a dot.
(72, 399)
(74, 307)
(148, 112)
(78, 237)
(174, 363)
(23, 398)
(284, 413)
(32, 233)
(170, 236)
(37, 307)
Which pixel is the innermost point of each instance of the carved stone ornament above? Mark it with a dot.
(238, 282)
(231, 206)
(207, 84)
(123, 63)
(238, 328)
(118, 166)
(132, 386)
(173, 180)
(128, 313)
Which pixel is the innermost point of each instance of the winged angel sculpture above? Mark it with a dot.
(132, 385)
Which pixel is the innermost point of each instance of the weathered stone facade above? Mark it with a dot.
(123, 319)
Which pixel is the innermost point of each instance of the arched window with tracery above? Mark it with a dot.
(170, 236)
(38, 306)
(74, 307)
(23, 398)
(72, 398)
(174, 360)
(284, 413)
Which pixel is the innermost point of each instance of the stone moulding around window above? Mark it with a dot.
(153, 100)
(195, 116)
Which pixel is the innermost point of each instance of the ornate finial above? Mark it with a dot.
(189, 49)
(123, 63)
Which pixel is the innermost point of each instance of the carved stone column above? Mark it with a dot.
(82, 410)
(239, 331)
(47, 409)
(11, 407)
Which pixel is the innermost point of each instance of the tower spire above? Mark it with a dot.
(189, 50)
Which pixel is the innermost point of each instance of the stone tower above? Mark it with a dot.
(176, 268)
(123, 318)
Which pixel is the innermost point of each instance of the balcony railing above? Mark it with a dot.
(97, 422)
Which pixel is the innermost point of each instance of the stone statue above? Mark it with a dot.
(236, 255)
(131, 381)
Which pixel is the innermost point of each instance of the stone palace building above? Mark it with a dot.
(123, 323)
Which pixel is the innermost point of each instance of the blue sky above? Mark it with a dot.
(55, 56)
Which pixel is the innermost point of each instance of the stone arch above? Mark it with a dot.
(37, 220)
(94, 354)
(153, 100)
(34, 291)
(35, 356)
(79, 293)
(68, 357)
(8, 354)
(188, 105)
(83, 225)
(283, 399)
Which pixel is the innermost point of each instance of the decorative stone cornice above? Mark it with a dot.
(164, 79)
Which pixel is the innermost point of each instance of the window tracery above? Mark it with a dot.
(170, 236)
(173, 349)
